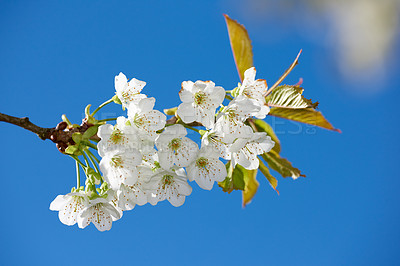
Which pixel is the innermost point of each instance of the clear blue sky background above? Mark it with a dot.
(56, 57)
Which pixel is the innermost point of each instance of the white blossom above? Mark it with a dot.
(216, 142)
(230, 119)
(128, 92)
(244, 151)
(145, 119)
(136, 173)
(119, 167)
(150, 157)
(255, 90)
(69, 206)
(100, 212)
(206, 169)
(121, 136)
(168, 185)
(199, 102)
(220, 140)
(112, 198)
(129, 196)
(174, 148)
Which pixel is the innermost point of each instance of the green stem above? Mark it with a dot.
(81, 164)
(92, 155)
(93, 163)
(78, 161)
(89, 144)
(228, 97)
(78, 175)
(107, 119)
(101, 106)
(187, 126)
(86, 159)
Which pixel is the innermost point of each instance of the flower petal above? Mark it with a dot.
(187, 112)
(58, 203)
(185, 93)
(249, 76)
(187, 152)
(166, 158)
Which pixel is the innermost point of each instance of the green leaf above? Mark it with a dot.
(281, 165)
(289, 97)
(77, 137)
(90, 132)
(272, 180)
(234, 180)
(241, 45)
(73, 150)
(307, 116)
(251, 186)
(263, 126)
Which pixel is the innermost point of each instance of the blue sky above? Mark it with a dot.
(57, 57)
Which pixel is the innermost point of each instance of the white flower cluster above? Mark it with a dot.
(141, 165)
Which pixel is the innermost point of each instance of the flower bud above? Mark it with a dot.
(62, 125)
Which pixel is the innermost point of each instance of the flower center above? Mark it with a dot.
(199, 98)
(116, 162)
(138, 120)
(248, 93)
(128, 95)
(78, 202)
(156, 166)
(117, 136)
(231, 114)
(167, 180)
(214, 138)
(175, 144)
(202, 162)
(247, 148)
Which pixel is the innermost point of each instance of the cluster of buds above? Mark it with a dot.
(147, 159)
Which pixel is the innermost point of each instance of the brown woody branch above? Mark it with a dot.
(43, 133)
(61, 134)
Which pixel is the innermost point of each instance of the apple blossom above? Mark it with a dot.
(128, 92)
(168, 185)
(199, 101)
(119, 167)
(255, 90)
(174, 148)
(230, 119)
(69, 206)
(145, 119)
(206, 169)
(121, 136)
(244, 151)
(100, 212)
(129, 196)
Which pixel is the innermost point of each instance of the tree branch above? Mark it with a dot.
(43, 133)
(61, 134)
